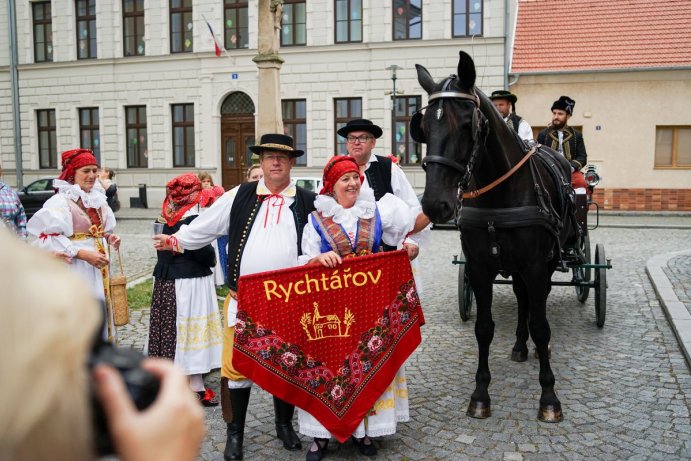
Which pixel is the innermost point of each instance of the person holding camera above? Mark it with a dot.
(185, 323)
(46, 340)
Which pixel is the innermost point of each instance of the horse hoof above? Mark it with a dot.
(479, 410)
(550, 413)
(519, 356)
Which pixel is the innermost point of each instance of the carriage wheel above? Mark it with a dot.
(600, 285)
(465, 294)
(583, 274)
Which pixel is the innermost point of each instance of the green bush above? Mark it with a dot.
(139, 296)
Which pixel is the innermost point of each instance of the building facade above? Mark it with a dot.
(139, 81)
(628, 67)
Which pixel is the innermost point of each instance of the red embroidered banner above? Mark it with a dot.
(329, 340)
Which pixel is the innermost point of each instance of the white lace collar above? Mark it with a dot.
(95, 198)
(363, 208)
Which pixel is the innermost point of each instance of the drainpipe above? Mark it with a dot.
(515, 80)
(507, 45)
(14, 79)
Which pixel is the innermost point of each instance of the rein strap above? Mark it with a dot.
(478, 192)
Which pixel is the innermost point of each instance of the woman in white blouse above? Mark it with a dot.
(77, 224)
(348, 222)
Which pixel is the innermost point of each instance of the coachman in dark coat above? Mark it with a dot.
(563, 138)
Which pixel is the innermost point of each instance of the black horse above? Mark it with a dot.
(514, 203)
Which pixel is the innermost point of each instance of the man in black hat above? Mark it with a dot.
(505, 103)
(565, 140)
(382, 175)
(263, 220)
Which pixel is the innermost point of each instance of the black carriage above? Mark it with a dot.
(576, 258)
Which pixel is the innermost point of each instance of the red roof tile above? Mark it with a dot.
(571, 35)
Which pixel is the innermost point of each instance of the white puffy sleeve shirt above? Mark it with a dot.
(396, 220)
(53, 226)
(271, 245)
(403, 190)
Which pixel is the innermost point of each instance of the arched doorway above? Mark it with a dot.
(237, 133)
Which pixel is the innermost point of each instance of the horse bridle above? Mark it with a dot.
(479, 120)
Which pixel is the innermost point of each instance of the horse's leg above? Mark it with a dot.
(519, 353)
(479, 406)
(550, 407)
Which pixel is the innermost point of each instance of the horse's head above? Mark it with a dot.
(453, 129)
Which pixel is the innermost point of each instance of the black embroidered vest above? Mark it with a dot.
(514, 121)
(242, 215)
(379, 179)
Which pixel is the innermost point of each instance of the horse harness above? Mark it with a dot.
(479, 129)
(544, 214)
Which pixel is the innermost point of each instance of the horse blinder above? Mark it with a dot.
(416, 131)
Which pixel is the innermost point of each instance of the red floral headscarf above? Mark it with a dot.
(74, 159)
(209, 196)
(182, 193)
(336, 167)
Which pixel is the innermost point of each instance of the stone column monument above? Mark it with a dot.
(269, 118)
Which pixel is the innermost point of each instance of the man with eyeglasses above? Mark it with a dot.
(263, 220)
(382, 175)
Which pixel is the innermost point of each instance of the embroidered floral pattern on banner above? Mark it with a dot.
(332, 354)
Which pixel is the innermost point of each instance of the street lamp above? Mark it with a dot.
(393, 68)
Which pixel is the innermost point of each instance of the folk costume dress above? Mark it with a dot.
(74, 220)
(185, 323)
(358, 230)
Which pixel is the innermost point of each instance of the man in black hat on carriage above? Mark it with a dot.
(505, 102)
(566, 141)
(382, 175)
(264, 221)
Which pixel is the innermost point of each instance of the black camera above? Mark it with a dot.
(142, 387)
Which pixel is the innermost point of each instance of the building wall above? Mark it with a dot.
(619, 112)
(318, 72)
(6, 138)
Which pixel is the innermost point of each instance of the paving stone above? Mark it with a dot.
(625, 388)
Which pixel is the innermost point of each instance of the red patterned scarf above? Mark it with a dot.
(183, 192)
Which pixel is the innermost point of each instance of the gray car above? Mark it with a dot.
(35, 195)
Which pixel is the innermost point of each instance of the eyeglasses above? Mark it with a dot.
(276, 157)
(362, 139)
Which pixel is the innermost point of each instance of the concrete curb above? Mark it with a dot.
(646, 226)
(678, 316)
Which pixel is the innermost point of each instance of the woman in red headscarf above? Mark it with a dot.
(77, 224)
(185, 323)
(348, 222)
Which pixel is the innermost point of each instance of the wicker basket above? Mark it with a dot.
(118, 295)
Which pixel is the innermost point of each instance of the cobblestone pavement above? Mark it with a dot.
(678, 271)
(625, 388)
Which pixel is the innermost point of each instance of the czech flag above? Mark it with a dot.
(217, 47)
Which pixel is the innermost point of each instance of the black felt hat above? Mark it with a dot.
(277, 142)
(360, 124)
(564, 103)
(503, 94)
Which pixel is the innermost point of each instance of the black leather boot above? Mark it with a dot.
(238, 399)
(284, 425)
